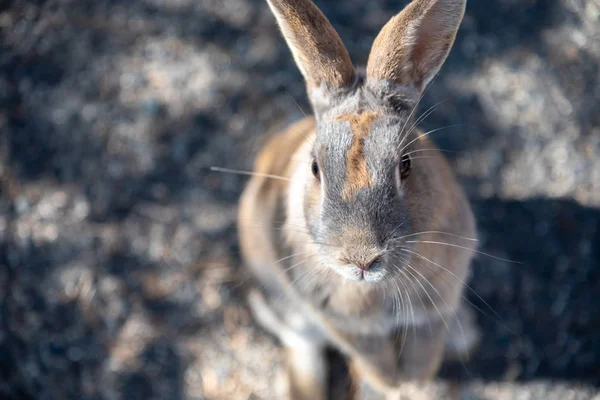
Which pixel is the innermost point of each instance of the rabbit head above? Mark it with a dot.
(367, 179)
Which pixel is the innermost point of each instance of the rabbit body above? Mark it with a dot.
(353, 223)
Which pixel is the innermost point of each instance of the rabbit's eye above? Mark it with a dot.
(315, 169)
(405, 166)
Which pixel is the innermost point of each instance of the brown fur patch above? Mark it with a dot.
(357, 174)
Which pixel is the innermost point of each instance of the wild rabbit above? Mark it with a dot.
(353, 223)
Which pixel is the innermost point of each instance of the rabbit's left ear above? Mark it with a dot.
(413, 45)
(317, 48)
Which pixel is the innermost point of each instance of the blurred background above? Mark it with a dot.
(119, 267)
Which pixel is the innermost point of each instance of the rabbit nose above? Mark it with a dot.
(373, 264)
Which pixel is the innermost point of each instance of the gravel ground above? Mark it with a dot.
(119, 267)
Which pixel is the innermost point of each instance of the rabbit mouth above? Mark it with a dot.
(356, 274)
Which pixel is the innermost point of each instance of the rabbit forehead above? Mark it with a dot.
(359, 150)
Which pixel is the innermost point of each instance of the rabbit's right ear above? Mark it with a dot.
(317, 49)
(413, 45)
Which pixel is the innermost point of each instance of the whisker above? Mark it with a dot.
(319, 272)
(277, 225)
(403, 312)
(283, 293)
(416, 106)
(428, 112)
(427, 134)
(248, 173)
(422, 302)
(448, 306)
(311, 273)
(297, 105)
(303, 232)
(440, 233)
(434, 150)
(405, 285)
(406, 321)
(412, 112)
(422, 118)
(398, 227)
(467, 286)
(416, 158)
(464, 248)
(396, 311)
(295, 265)
(288, 257)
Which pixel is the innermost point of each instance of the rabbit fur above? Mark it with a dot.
(353, 224)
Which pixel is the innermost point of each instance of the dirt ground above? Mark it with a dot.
(119, 268)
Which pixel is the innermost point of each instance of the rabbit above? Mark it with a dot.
(353, 223)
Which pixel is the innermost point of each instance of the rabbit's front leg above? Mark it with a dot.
(373, 365)
(307, 372)
(305, 354)
(413, 355)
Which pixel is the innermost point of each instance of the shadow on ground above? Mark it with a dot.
(536, 313)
